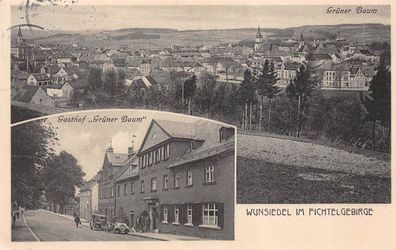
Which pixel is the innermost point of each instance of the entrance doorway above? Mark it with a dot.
(153, 218)
(132, 220)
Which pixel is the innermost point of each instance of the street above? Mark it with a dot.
(50, 227)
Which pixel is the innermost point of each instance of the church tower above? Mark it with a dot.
(259, 39)
(110, 149)
(19, 45)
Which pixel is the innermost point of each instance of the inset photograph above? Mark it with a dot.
(122, 175)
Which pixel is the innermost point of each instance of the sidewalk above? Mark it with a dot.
(164, 237)
(155, 236)
(21, 232)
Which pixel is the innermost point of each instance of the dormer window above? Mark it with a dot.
(225, 133)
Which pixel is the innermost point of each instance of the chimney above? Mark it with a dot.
(130, 151)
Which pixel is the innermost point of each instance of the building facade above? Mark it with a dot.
(182, 181)
(89, 198)
(112, 164)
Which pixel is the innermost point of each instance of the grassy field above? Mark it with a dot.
(273, 170)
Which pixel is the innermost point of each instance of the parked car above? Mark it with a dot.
(120, 228)
(98, 222)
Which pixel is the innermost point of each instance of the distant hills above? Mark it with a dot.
(156, 37)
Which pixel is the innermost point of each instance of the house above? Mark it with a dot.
(89, 198)
(112, 164)
(142, 82)
(59, 90)
(145, 68)
(183, 182)
(364, 55)
(346, 76)
(287, 73)
(38, 79)
(34, 95)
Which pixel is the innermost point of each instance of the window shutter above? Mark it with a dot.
(220, 214)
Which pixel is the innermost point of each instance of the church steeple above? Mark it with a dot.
(19, 37)
(258, 35)
(110, 148)
(259, 39)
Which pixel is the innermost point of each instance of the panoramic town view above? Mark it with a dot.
(149, 178)
(309, 93)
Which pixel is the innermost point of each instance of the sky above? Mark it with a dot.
(88, 142)
(84, 17)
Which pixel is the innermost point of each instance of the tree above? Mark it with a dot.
(95, 80)
(378, 103)
(246, 95)
(60, 178)
(204, 96)
(31, 147)
(188, 92)
(266, 86)
(300, 88)
(114, 87)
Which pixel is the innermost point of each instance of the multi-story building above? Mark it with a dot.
(89, 198)
(182, 181)
(112, 164)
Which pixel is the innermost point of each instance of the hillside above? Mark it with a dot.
(275, 170)
(142, 37)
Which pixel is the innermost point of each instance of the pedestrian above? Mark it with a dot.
(77, 220)
(13, 219)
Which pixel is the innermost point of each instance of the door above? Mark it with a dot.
(132, 220)
(154, 218)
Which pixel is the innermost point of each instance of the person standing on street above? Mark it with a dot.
(13, 219)
(77, 220)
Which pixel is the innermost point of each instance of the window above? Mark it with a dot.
(155, 156)
(189, 214)
(150, 158)
(159, 154)
(165, 183)
(165, 215)
(112, 191)
(209, 174)
(153, 184)
(105, 192)
(131, 187)
(142, 186)
(176, 180)
(125, 189)
(162, 153)
(166, 151)
(118, 190)
(210, 214)
(189, 178)
(177, 212)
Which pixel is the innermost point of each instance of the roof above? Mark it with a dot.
(40, 76)
(56, 86)
(292, 66)
(178, 129)
(26, 93)
(116, 159)
(19, 74)
(208, 132)
(364, 52)
(129, 170)
(143, 82)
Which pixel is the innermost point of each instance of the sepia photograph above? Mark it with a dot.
(122, 175)
(309, 92)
